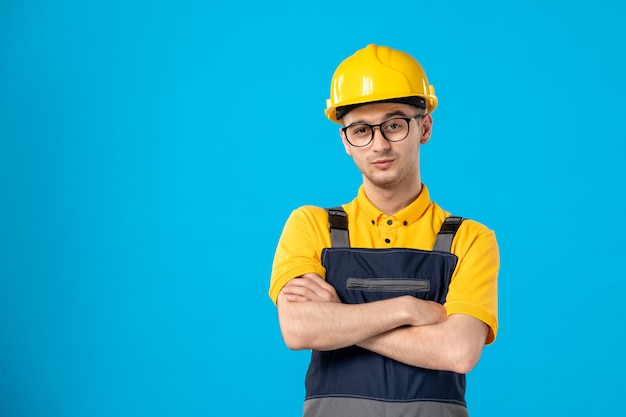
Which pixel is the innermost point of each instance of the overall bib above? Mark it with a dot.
(357, 382)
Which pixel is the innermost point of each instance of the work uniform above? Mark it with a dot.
(389, 256)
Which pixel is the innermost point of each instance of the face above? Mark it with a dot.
(389, 165)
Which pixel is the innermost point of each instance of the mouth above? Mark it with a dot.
(382, 163)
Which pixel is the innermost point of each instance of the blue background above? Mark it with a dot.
(150, 152)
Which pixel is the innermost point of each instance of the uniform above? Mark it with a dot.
(389, 256)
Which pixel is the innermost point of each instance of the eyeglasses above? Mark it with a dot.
(393, 130)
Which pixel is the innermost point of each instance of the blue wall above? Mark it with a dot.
(151, 151)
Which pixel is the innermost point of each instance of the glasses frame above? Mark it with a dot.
(382, 132)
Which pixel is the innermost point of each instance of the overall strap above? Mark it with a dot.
(339, 237)
(338, 220)
(446, 234)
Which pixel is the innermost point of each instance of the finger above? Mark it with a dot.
(318, 286)
(328, 291)
(307, 282)
(308, 291)
(296, 298)
(311, 288)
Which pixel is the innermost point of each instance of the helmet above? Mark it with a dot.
(378, 73)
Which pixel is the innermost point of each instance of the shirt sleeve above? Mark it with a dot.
(474, 287)
(299, 248)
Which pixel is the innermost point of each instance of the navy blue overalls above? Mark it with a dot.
(338, 379)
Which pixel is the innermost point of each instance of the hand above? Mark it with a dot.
(310, 287)
(424, 313)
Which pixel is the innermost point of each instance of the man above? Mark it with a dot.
(395, 305)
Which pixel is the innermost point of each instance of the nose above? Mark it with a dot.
(379, 143)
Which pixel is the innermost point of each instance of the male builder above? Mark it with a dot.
(394, 296)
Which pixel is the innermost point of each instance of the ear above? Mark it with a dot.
(427, 128)
(346, 145)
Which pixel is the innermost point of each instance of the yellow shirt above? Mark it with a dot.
(474, 286)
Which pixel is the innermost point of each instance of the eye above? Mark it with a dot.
(394, 125)
(359, 130)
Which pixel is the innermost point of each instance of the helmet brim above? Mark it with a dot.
(416, 101)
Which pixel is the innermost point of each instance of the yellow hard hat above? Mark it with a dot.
(378, 73)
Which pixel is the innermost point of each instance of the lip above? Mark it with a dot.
(382, 163)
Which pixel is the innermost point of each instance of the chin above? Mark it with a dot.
(383, 182)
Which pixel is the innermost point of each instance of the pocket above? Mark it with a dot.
(388, 284)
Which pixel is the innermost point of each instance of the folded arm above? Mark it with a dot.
(407, 329)
(453, 345)
(311, 315)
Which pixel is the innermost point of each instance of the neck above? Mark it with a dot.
(391, 201)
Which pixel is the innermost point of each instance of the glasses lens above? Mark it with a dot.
(359, 134)
(395, 129)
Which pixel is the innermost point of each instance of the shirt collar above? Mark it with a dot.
(407, 215)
